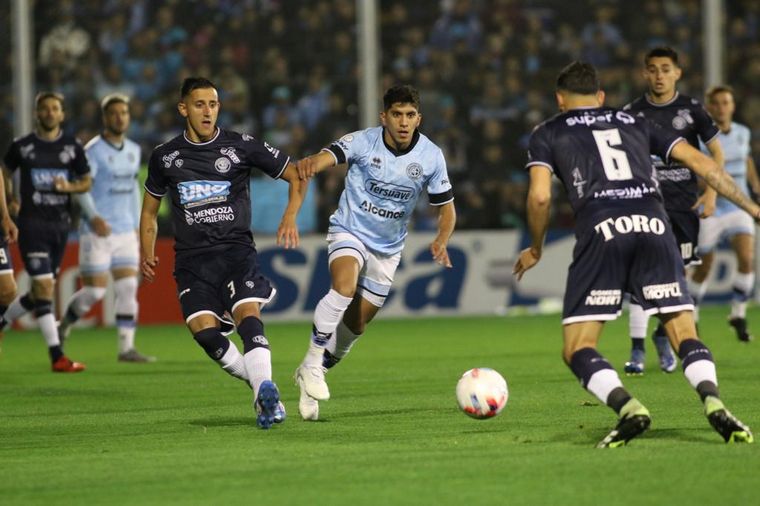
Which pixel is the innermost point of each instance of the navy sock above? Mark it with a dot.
(213, 342)
(251, 331)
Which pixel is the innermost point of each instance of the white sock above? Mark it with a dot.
(328, 314)
(15, 310)
(232, 362)
(743, 284)
(699, 371)
(637, 321)
(258, 366)
(126, 337)
(342, 341)
(602, 382)
(49, 329)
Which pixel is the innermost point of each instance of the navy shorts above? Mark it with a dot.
(42, 245)
(685, 226)
(612, 259)
(217, 282)
(6, 266)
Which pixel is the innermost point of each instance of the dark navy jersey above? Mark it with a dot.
(602, 156)
(685, 117)
(208, 184)
(39, 162)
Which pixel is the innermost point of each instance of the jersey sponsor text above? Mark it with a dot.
(626, 224)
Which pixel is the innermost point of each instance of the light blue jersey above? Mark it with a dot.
(115, 192)
(735, 144)
(383, 185)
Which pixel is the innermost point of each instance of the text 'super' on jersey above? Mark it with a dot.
(685, 117)
(208, 184)
(383, 185)
(39, 162)
(602, 157)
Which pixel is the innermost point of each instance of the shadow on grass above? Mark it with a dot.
(234, 421)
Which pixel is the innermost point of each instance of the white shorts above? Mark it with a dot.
(375, 271)
(714, 228)
(100, 254)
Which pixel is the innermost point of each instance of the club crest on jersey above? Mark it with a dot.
(67, 154)
(414, 171)
(230, 153)
(168, 159)
(179, 162)
(27, 151)
(198, 193)
(247, 137)
(222, 165)
(682, 119)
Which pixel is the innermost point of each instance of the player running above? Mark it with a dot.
(206, 171)
(389, 167)
(624, 242)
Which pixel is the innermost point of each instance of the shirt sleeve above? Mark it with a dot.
(79, 164)
(706, 127)
(539, 149)
(92, 159)
(12, 158)
(268, 159)
(661, 141)
(439, 187)
(156, 183)
(348, 147)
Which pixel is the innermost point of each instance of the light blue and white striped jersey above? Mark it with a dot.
(735, 144)
(382, 186)
(115, 189)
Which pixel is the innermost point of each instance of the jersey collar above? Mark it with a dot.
(218, 131)
(675, 97)
(396, 152)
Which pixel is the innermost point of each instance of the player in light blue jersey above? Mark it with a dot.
(108, 233)
(730, 221)
(389, 167)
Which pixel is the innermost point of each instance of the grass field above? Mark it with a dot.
(180, 431)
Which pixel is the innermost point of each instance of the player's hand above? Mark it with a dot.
(440, 253)
(10, 230)
(13, 207)
(708, 206)
(287, 233)
(100, 226)
(147, 267)
(528, 258)
(61, 185)
(306, 167)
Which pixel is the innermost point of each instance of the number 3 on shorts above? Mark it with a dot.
(231, 286)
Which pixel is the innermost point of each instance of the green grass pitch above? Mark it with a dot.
(180, 431)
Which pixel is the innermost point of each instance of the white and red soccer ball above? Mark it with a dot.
(482, 393)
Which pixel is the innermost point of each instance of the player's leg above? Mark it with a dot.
(637, 325)
(744, 283)
(710, 232)
(124, 261)
(699, 370)
(7, 285)
(346, 257)
(94, 261)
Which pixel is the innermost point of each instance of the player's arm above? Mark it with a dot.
(148, 234)
(538, 211)
(708, 197)
(314, 164)
(714, 175)
(287, 232)
(752, 178)
(90, 212)
(447, 219)
(80, 185)
(10, 232)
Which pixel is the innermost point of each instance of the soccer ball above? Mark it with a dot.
(482, 393)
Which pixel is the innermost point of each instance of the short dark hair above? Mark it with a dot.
(661, 52)
(194, 83)
(578, 77)
(113, 98)
(401, 93)
(44, 95)
(721, 88)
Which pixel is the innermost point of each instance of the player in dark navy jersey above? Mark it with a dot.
(8, 234)
(51, 165)
(205, 172)
(683, 116)
(624, 242)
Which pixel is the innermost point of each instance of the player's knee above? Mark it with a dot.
(92, 294)
(7, 292)
(42, 289)
(42, 307)
(251, 331)
(212, 341)
(125, 290)
(345, 288)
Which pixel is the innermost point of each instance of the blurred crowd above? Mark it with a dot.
(287, 71)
